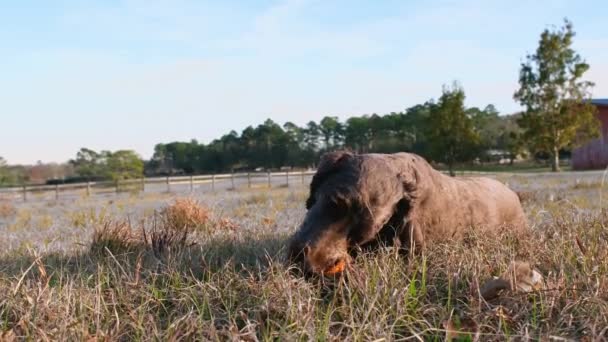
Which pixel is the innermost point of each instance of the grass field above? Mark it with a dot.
(148, 267)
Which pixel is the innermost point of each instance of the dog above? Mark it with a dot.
(359, 201)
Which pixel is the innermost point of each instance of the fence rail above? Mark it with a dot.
(215, 182)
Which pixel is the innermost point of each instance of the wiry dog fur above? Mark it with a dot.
(360, 200)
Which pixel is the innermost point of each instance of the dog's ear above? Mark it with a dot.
(330, 163)
(410, 181)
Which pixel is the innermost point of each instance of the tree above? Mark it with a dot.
(230, 148)
(558, 113)
(4, 173)
(513, 144)
(451, 133)
(88, 164)
(415, 122)
(331, 130)
(12, 175)
(43, 172)
(358, 134)
(124, 164)
(119, 165)
(312, 135)
(296, 149)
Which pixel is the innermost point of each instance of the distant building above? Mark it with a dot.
(594, 155)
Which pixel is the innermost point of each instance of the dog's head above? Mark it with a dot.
(352, 197)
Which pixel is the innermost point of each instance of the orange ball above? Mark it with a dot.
(337, 268)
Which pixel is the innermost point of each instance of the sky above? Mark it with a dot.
(113, 74)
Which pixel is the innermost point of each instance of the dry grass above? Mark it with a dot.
(527, 196)
(82, 218)
(116, 238)
(586, 185)
(155, 280)
(7, 209)
(185, 214)
(22, 219)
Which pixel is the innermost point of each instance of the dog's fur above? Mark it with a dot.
(360, 200)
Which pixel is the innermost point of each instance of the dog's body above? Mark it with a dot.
(360, 200)
(447, 207)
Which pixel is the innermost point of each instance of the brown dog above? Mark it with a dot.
(362, 200)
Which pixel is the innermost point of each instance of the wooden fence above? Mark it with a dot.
(215, 182)
(203, 183)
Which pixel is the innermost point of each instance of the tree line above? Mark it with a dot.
(420, 129)
(442, 131)
(88, 165)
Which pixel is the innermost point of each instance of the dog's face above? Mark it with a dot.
(351, 199)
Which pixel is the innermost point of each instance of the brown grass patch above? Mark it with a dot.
(185, 214)
(7, 209)
(227, 224)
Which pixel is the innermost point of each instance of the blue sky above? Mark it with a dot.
(129, 74)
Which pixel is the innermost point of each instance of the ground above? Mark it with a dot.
(108, 267)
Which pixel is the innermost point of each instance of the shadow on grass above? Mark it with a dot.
(237, 253)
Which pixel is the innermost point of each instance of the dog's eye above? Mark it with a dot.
(337, 209)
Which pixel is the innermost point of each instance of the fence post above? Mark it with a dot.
(287, 178)
(248, 180)
(213, 182)
(191, 183)
(24, 193)
(269, 180)
(232, 180)
(117, 185)
(56, 192)
(302, 177)
(143, 184)
(88, 188)
(168, 184)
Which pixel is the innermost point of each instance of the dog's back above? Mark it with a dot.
(448, 206)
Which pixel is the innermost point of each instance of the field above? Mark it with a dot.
(209, 266)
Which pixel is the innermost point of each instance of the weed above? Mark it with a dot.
(116, 238)
(44, 221)
(7, 210)
(185, 214)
